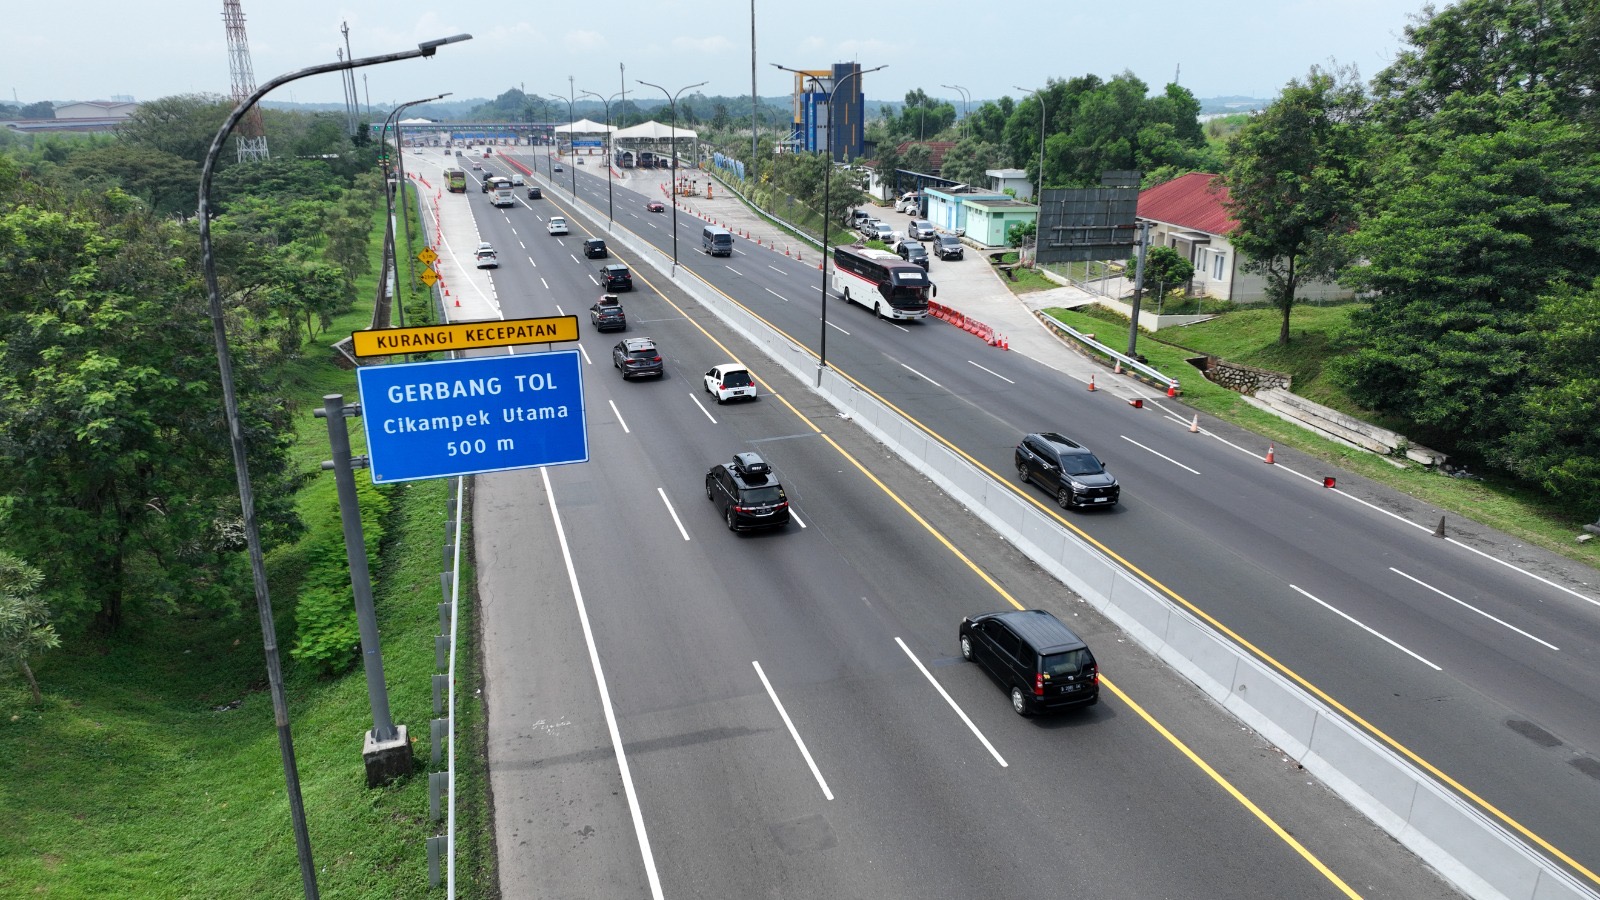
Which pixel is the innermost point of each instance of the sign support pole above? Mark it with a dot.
(387, 749)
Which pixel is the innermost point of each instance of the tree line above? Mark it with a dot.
(118, 500)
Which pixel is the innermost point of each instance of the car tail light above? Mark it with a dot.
(655, 359)
(1038, 684)
(1094, 673)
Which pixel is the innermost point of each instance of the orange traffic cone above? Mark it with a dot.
(1172, 389)
(1116, 367)
(1091, 384)
(1270, 460)
(1194, 427)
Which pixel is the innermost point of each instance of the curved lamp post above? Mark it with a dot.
(673, 100)
(964, 98)
(241, 466)
(827, 220)
(1038, 191)
(571, 145)
(400, 157)
(610, 213)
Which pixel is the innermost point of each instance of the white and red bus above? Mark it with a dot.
(882, 282)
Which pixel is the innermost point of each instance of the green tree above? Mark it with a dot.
(885, 166)
(918, 158)
(168, 183)
(25, 629)
(969, 159)
(1292, 182)
(182, 125)
(115, 470)
(1164, 267)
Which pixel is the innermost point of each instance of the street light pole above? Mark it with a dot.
(1038, 191)
(606, 101)
(241, 466)
(571, 145)
(672, 99)
(827, 220)
(405, 216)
(964, 98)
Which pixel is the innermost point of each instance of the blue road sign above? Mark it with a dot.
(466, 416)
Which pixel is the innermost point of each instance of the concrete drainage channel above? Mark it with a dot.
(1476, 854)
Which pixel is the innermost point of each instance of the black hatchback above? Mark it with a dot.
(748, 492)
(594, 248)
(617, 277)
(1067, 469)
(1040, 662)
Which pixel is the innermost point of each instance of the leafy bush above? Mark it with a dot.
(327, 636)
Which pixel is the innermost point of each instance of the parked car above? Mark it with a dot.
(857, 217)
(594, 248)
(878, 231)
(534, 193)
(637, 356)
(487, 258)
(616, 277)
(655, 206)
(913, 251)
(580, 161)
(1040, 662)
(728, 381)
(922, 230)
(556, 225)
(1066, 469)
(948, 246)
(748, 492)
(607, 314)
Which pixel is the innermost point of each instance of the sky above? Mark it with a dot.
(1243, 48)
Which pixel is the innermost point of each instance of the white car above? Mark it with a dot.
(556, 225)
(516, 179)
(488, 259)
(730, 380)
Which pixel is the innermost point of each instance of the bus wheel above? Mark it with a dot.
(877, 310)
(846, 295)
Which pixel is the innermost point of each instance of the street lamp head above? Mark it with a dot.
(429, 48)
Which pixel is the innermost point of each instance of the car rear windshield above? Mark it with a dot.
(736, 378)
(1080, 464)
(1068, 663)
(769, 494)
(642, 354)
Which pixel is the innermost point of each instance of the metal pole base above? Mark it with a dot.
(388, 760)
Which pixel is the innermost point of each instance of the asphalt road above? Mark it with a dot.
(1473, 653)
(681, 711)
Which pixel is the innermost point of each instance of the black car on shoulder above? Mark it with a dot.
(607, 315)
(616, 277)
(594, 248)
(1040, 662)
(637, 356)
(1066, 469)
(748, 493)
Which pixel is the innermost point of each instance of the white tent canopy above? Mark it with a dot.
(654, 131)
(584, 126)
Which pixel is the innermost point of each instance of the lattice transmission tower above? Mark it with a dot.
(252, 135)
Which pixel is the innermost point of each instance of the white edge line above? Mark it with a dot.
(675, 520)
(1583, 597)
(948, 699)
(799, 742)
(796, 516)
(1154, 453)
(585, 355)
(703, 409)
(605, 697)
(991, 372)
(620, 420)
(1369, 630)
(1480, 612)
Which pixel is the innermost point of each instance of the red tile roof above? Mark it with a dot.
(1194, 201)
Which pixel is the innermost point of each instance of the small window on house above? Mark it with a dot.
(1216, 266)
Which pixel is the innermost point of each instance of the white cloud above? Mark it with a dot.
(715, 43)
(583, 39)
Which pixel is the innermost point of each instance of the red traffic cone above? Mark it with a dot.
(1269, 459)
(1172, 389)
(1137, 403)
(1091, 384)
(1194, 427)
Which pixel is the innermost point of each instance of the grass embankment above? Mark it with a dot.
(1250, 337)
(136, 779)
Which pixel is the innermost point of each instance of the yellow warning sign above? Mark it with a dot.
(428, 277)
(427, 256)
(465, 336)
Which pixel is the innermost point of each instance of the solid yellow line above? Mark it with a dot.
(1294, 676)
(1234, 792)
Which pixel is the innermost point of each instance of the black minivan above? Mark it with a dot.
(1040, 662)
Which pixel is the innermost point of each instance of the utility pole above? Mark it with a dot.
(755, 123)
(1138, 290)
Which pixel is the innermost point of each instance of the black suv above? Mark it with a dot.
(607, 315)
(637, 356)
(912, 251)
(594, 248)
(947, 246)
(616, 276)
(1066, 469)
(534, 193)
(1037, 659)
(748, 492)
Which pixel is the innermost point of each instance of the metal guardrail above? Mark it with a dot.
(1152, 375)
